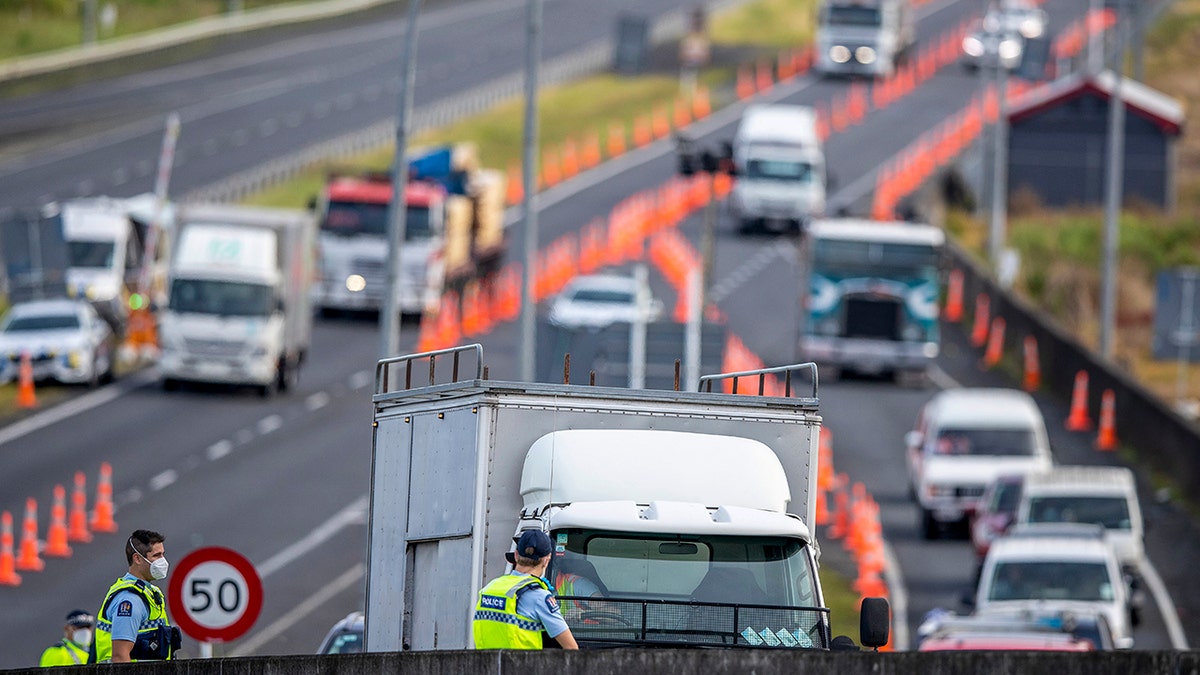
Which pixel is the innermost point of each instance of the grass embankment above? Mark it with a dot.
(1061, 251)
(35, 26)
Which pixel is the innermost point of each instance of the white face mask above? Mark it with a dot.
(158, 568)
(82, 637)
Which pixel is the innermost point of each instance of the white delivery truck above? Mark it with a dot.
(863, 37)
(780, 169)
(106, 239)
(239, 308)
(688, 513)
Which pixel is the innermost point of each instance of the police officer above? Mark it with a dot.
(513, 610)
(72, 650)
(132, 623)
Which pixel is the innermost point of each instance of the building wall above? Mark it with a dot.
(1059, 153)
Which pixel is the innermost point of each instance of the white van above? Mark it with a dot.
(1104, 495)
(780, 168)
(103, 254)
(963, 440)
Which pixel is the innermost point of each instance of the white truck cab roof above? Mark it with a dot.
(680, 518)
(779, 124)
(985, 408)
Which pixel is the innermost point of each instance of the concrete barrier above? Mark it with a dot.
(1165, 440)
(675, 661)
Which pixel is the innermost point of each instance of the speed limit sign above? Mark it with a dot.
(215, 594)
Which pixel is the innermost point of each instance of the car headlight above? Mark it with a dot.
(1009, 49)
(839, 54)
(865, 55)
(355, 283)
(1031, 29)
(972, 46)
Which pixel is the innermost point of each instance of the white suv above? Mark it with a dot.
(964, 439)
(1051, 570)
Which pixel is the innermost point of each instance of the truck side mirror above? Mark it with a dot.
(874, 622)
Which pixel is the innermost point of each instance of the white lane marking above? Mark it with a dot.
(130, 496)
(163, 480)
(219, 449)
(316, 401)
(269, 423)
(361, 379)
(941, 379)
(354, 514)
(899, 594)
(84, 403)
(301, 611)
(1166, 607)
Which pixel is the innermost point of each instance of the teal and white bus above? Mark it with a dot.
(870, 292)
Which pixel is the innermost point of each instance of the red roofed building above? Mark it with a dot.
(1058, 142)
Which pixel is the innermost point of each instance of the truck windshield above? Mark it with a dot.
(637, 587)
(846, 258)
(781, 170)
(224, 298)
(1111, 512)
(1050, 580)
(96, 254)
(985, 442)
(852, 15)
(357, 218)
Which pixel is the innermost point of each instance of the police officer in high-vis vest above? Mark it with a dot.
(132, 623)
(72, 650)
(513, 611)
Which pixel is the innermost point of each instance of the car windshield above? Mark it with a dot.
(96, 254)
(985, 442)
(355, 218)
(349, 642)
(224, 298)
(1050, 580)
(885, 260)
(36, 322)
(1111, 512)
(771, 571)
(600, 295)
(777, 169)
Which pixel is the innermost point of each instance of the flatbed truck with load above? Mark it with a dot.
(678, 518)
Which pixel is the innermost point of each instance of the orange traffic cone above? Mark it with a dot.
(8, 562)
(822, 515)
(745, 83)
(701, 103)
(1078, 420)
(995, 345)
(514, 188)
(56, 535)
(102, 517)
(1033, 370)
(954, 296)
(979, 333)
(26, 398)
(616, 140)
(1106, 439)
(77, 529)
(841, 503)
(28, 558)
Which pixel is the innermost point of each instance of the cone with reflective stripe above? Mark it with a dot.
(1033, 370)
(1078, 420)
(954, 296)
(995, 345)
(1106, 439)
(979, 333)
(28, 558)
(8, 562)
(56, 534)
(77, 529)
(102, 516)
(26, 398)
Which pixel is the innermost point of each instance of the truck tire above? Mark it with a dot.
(930, 529)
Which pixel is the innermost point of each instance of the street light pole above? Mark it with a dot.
(999, 206)
(533, 50)
(1112, 194)
(389, 318)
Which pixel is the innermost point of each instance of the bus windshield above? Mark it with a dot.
(850, 258)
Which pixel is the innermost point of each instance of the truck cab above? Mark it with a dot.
(652, 546)
(353, 244)
(780, 167)
(863, 37)
(103, 254)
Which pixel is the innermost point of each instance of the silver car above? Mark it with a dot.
(66, 340)
(595, 301)
(1000, 37)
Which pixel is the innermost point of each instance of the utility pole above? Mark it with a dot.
(533, 51)
(998, 215)
(89, 21)
(389, 317)
(1113, 193)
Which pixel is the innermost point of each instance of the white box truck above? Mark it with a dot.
(863, 37)
(239, 309)
(779, 163)
(688, 512)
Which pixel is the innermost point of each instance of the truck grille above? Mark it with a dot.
(969, 491)
(871, 317)
(213, 347)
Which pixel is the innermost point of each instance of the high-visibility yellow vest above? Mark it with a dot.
(64, 653)
(156, 617)
(497, 624)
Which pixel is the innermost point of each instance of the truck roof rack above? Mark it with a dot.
(706, 381)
